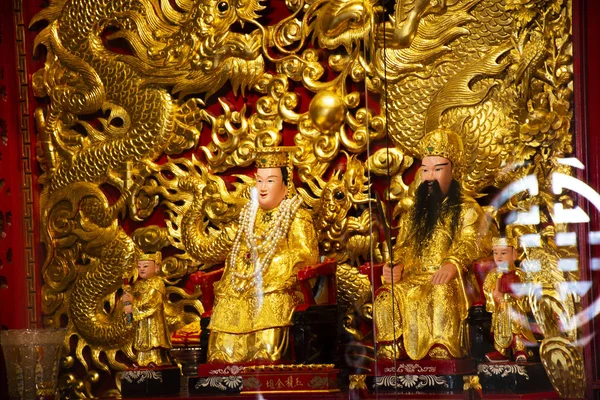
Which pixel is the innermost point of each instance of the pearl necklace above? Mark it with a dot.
(277, 228)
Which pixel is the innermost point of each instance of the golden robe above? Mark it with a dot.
(422, 314)
(152, 337)
(265, 301)
(509, 317)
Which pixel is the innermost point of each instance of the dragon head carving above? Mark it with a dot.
(194, 47)
(342, 22)
(202, 209)
(341, 218)
(214, 17)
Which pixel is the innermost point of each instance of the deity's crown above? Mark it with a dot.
(156, 257)
(443, 142)
(504, 242)
(274, 157)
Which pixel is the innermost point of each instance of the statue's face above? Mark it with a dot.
(504, 257)
(436, 168)
(147, 269)
(271, 188)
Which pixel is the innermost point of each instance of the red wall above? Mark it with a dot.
(13, 269)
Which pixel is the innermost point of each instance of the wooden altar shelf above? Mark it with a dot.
(511, 377)
(269, 379)
(347, 396)
(143, 382)
(440, 376)
(461, 378)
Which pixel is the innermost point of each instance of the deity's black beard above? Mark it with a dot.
(430, 208)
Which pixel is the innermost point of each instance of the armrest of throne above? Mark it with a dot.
(325, 269)
(374, 273)
(205, 281)
(188, 338)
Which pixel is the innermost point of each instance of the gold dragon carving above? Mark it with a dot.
(339, 79)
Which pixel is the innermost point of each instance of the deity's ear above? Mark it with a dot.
(516, 254)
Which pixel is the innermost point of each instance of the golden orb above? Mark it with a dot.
(327, 111)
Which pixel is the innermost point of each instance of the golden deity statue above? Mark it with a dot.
(145, 307)
(255, 298)
(510, 325)
(421, 309)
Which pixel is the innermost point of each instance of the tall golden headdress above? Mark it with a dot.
(445, 143)
(156, 257)
(508, 240)
(277, 157)
(504, 241)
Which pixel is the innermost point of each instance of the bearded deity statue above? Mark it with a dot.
(258, 292)
(421, 309)
(510, 325)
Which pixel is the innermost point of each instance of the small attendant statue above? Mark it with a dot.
(145, 307)
(510, 326)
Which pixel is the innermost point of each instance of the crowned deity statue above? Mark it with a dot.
(144, 306)
(421, 309)
(258, 292)
(510, 325)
